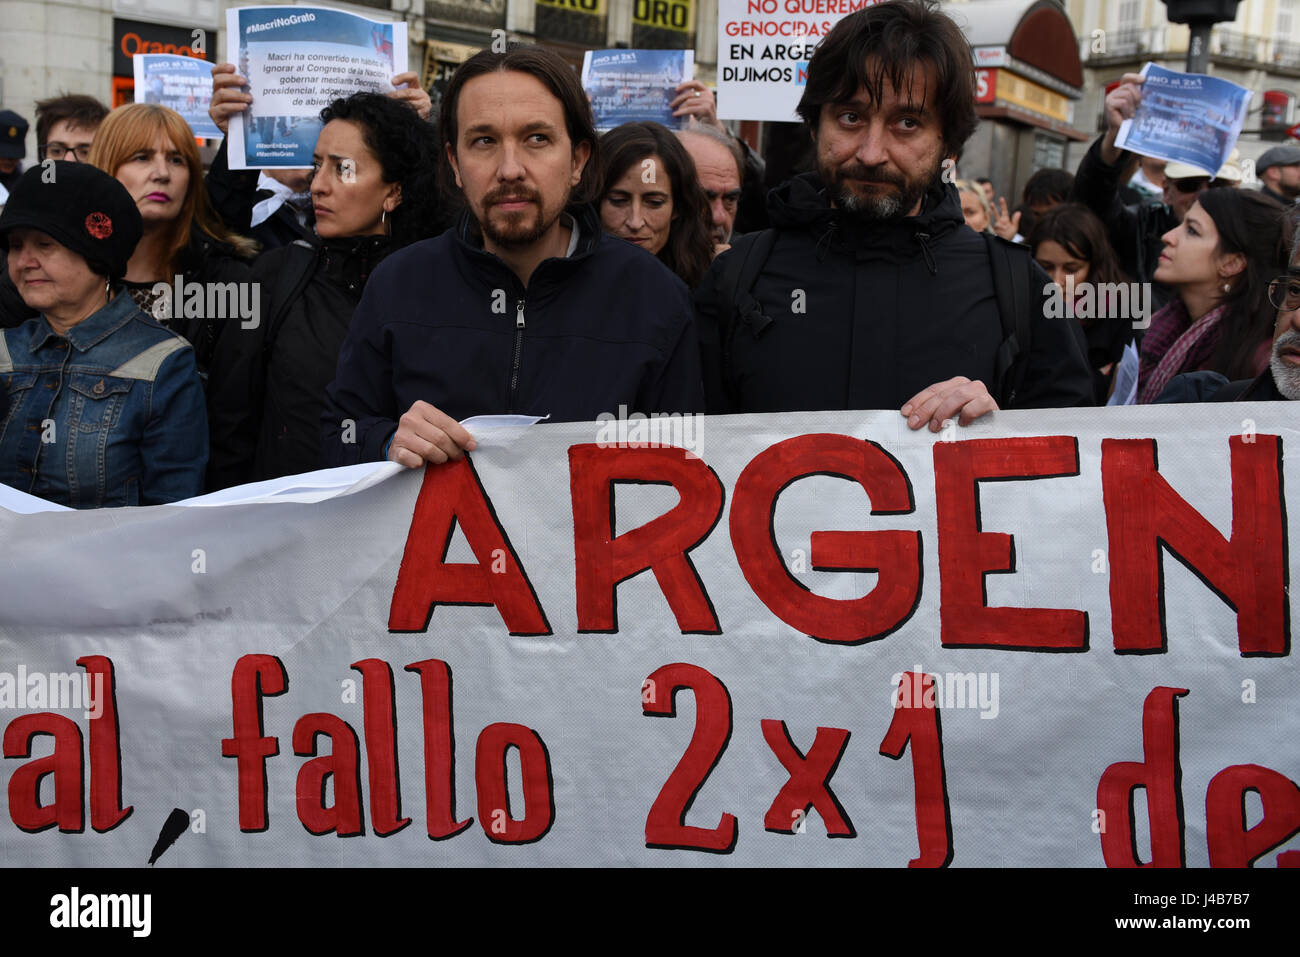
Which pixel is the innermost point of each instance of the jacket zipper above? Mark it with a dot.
(519, 352)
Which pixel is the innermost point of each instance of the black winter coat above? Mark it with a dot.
(13, 311)
(867, 315)
(265, 420)
(205, 261)
(448, 323)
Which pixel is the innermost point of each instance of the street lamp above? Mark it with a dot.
(1200, 15)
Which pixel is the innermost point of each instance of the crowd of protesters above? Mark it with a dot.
(501, 257)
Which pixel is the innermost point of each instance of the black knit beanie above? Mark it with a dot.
(80, 207)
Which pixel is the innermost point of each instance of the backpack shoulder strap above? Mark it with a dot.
(1012, 268)
(748, 256)
(736, 304)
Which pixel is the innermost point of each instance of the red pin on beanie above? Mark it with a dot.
(99, 225)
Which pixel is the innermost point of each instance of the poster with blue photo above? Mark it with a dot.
(1186, 117)
(631, 86)
(182, 83)
(297, 60)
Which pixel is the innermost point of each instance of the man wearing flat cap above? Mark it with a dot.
(13, 147)
(1279, 169)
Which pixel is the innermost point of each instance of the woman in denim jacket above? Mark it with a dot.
(99, 405)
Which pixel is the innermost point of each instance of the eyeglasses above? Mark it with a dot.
(1284, 292)
(58, 151)
(1197, 183)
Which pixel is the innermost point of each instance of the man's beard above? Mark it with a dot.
(879, 206)
(1285, 375)
(520, 227)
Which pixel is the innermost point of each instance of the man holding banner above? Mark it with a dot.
(870, 292)
(545, 315)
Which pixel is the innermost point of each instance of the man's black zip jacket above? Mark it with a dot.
(445, 322)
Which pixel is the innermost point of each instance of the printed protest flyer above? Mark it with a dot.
(182, 83)
(635, 86)
(1186, 117)
(297, 60)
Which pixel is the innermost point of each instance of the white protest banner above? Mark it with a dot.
(1049, 638)
(297, 61)
(763, 51)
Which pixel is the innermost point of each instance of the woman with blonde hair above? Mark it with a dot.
(150, 150)
(975, 206)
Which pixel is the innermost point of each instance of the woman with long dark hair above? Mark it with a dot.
(373, 190)
(1070, 243)
(1219, 262)
(651, 196)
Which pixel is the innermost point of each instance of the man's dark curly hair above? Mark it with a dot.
(407, 149)
(886, 42)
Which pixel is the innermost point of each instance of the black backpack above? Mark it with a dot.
(1013, 283)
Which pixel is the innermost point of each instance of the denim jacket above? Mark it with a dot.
(110, 415)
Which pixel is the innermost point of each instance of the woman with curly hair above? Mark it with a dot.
(150, 150)
(373, 191)
(651, 196)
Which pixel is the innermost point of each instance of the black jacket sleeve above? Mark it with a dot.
(13, 311)
(237, 384)
(678, 387)
(233, 193)
(1096, 185)
(360, 406)
(1058, 375)
(708, 324)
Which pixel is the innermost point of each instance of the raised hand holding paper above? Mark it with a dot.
(297, 60)
(632, 86)
(1186, 117)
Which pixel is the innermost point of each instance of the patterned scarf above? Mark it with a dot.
(1188, 352)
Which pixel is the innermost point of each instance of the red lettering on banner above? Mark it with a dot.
(66, 762)
(662, 545)
(439, 750)
(494, 812)
(254, 676)
(967, 554)
(1232, 844)
(1160, 775)
(343, 763)
(916, 720)
(25, 808)
(1248, 571)
(452, 494)
(381, 746)
(665, 825)
(809, 784)
(894, 554)
(106, 811)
